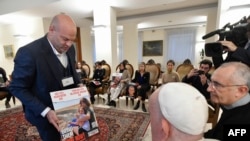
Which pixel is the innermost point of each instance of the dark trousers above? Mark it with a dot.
(92, 88)
(142, 91)
(5, 89)
(49, 133)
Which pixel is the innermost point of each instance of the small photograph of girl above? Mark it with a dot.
(81, 121)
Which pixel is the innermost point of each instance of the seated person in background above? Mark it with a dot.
(125, 61)
(151, 62)
(178, 112)
(229, 87)
(120, 84)
(199, 77)
(187, 62)
(4, 84)
(98, 76)
(142, 85)
(81, 72)
(170, 75)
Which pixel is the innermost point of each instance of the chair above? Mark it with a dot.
(87, 69)
(106, 80)
(211, 70)
(130, 68)
(184, 69)
(155, 72)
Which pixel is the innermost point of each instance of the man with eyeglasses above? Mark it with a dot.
(199, 77)
(229, 87)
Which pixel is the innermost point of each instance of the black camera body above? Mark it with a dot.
(237, 33)
(200, 72)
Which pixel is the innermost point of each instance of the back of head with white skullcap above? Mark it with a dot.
(184, 107)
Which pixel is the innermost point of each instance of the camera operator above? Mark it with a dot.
(235, 53)
(199, 77)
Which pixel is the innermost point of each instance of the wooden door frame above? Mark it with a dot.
(78, 45)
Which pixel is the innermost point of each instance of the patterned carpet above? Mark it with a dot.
(114, 124)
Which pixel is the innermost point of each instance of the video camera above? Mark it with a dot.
(235, 33)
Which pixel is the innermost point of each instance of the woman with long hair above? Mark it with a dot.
(119, 84)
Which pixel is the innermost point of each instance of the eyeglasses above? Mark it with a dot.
(217, 85)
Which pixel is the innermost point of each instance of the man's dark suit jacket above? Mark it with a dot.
(37, 73)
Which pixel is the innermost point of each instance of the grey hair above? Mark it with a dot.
(241, 72)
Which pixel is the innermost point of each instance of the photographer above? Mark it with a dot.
(239, 53)
(198, 77)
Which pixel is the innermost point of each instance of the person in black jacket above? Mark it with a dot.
(198, 77)
(240, 53)
(142, 85)
(4, 84)
(98, 76)
(81, 72)
(229, 87)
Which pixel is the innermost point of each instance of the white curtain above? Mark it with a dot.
(180, 44)
(140, 42)
(120, 46)
(93, 46)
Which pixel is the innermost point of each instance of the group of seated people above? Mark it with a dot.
(139, 85)
(136, 87)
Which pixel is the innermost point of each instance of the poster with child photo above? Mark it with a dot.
(76, 114)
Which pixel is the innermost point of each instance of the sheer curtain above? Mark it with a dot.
(120, 46)
(140, 42)
(180, 44)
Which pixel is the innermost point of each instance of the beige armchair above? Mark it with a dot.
(184, 69)
(155, 72)
(87, 69)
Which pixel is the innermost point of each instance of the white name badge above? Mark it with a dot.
(67, 81)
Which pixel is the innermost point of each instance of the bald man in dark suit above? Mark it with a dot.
(44, 65)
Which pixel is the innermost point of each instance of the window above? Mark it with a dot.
(180, 44)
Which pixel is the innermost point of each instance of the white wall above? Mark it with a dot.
(159, 34)
(151, 35)
(40, 27)
(30, 30)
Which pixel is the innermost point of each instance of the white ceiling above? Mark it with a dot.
(147, 13)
